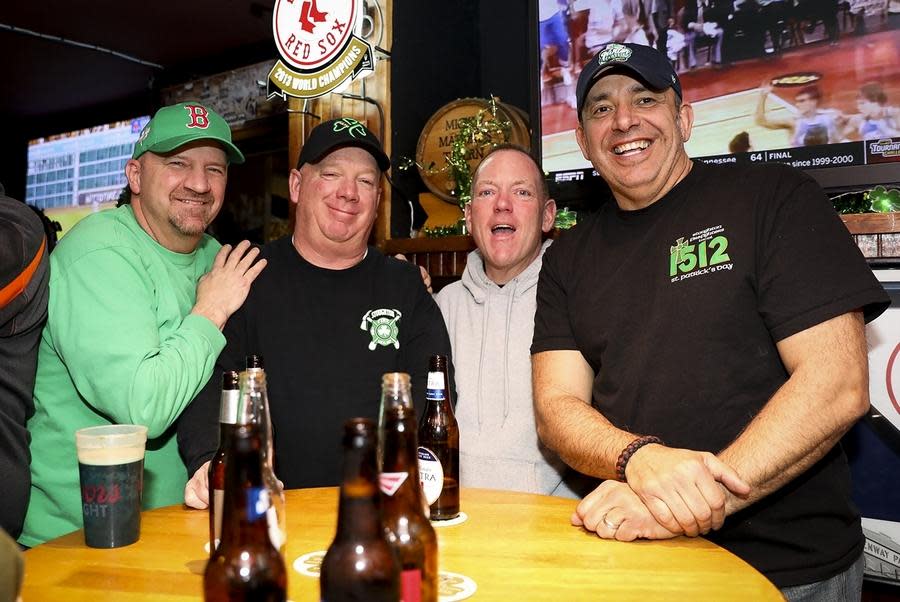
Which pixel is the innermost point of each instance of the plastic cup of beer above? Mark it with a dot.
(111, 465)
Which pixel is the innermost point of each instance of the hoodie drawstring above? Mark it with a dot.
(506, 354)
(484, 329)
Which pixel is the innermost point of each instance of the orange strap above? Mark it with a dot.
(15, 288)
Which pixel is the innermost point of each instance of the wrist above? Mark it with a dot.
(629, 451)
(216, 316)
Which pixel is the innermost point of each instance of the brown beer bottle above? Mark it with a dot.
(360, 563)
(439, 444)
(246, 565)
(227, 417)
(405, 519)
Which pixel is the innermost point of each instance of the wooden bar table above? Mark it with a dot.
(514, 546)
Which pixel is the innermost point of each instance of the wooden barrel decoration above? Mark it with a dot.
(437, 137)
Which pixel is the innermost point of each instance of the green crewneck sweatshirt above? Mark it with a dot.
(120, 346)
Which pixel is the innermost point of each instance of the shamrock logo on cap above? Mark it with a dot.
(352, 127)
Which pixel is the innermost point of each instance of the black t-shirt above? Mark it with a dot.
(677, 308)
(327, 337)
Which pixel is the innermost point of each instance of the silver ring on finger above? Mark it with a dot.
(609, 524)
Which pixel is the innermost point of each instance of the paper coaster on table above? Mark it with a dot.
(310, 564)
(453, 587)
(458, 520)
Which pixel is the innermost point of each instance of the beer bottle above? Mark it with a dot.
(360, 563)
(439, 444)
(405, 520)
(246, 565)
(227, 417)
(254, 409)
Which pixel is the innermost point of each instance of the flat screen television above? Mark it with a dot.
(829, 70)
(74, 174)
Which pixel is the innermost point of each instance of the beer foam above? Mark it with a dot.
(109, 456)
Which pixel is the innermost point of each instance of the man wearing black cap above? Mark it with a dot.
(329, 314)
(699, 342)
(138, 297)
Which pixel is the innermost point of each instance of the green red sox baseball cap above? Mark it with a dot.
(176, 125)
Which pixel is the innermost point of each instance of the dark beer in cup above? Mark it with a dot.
(111, 466)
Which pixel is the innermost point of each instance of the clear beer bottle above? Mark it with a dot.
(405, 511)
(246, 565)
(360, 564)
(227, 418)
(253, 408)
(439, 444)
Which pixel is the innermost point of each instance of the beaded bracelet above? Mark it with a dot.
(629, 450)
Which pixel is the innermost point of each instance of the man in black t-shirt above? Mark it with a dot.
(700, 342)
(330, 318)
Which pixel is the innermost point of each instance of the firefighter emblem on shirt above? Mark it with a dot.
(382, 326)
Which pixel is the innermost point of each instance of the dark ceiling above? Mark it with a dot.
(48, 78)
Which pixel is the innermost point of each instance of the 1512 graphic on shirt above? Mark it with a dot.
(702, 253)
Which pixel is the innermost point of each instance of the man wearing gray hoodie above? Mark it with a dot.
(490, 318)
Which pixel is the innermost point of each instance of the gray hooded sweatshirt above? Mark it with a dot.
(490, 332)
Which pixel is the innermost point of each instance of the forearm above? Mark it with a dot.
(167, 382)
(781, 444)
(567, 422)
(582, 437)
(151, 382)
(803, 420)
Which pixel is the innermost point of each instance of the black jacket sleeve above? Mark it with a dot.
(24, 277)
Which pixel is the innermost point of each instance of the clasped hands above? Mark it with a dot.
(669, 492)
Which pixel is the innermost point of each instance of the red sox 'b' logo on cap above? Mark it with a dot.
(199, 118)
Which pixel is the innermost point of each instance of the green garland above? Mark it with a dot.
(565, 219)
(484, 130)
(876, 200)
(441, 231)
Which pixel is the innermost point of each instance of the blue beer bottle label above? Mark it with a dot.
(435, 386)
(257, 503)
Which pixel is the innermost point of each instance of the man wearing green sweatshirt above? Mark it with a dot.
(138, 299)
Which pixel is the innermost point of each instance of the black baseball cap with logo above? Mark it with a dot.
(336, 133)
(651, 66)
